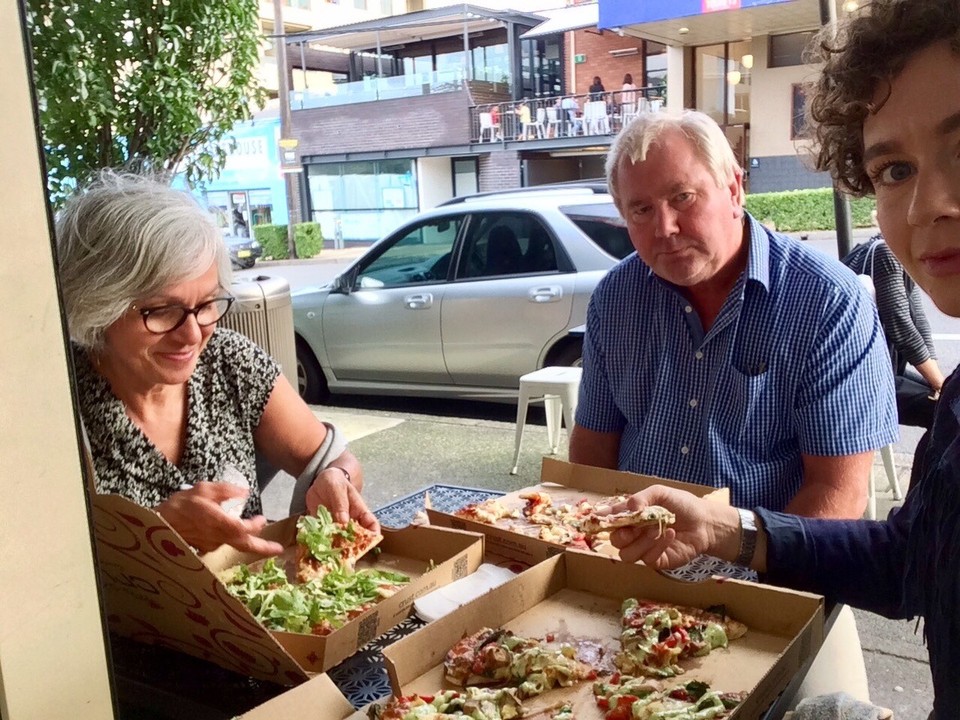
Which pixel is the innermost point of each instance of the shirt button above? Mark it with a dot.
(684, 450)
(688, 309)
(698, 355)
(693, 402)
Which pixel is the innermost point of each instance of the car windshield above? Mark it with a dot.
(602, 224)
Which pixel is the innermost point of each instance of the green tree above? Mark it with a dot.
(142, 84)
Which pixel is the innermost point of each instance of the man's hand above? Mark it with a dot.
(197, 516)
(331, 489)
(701, 526)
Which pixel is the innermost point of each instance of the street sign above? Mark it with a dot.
(289, 143)
(579, 58)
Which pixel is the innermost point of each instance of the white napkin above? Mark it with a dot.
(448, 598)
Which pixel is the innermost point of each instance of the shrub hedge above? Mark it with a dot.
(797, 210)
(307, 236)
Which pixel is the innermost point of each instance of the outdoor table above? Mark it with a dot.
(155, 683)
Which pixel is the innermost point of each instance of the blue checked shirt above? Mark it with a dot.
(795, 362)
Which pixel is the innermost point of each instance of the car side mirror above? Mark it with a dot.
(344, 283)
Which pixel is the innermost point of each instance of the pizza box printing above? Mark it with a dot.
(578, 594)
(565, 483)
(157, 590)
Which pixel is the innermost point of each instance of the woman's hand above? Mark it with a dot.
(197, 516)
(701, 527)
(331, 489)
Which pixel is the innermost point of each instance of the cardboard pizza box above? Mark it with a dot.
(579, 594)
(565, 482)
(158, 590)
(316, 698)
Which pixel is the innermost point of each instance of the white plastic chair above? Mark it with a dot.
(890, 470)
(595, 118)
(553, 122)
(535, 128)
(558, 387)
(488, 126)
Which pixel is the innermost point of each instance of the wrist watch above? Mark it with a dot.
(748, 537)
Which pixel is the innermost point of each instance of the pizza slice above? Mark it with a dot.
(651, 516)
(488, 511)
(656, 636)
(474, 703)
(531, 665)
(623, 697)
(324, 545)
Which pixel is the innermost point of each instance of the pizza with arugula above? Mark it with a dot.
(655, 636)
(324, 545)
(330, 590)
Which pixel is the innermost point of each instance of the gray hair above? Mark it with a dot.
(125, 237)
(645, 129)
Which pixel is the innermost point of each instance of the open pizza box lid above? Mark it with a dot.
(579, 594)
(158, 590)
(564, 482)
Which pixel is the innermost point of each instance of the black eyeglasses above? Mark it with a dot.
(160, 320)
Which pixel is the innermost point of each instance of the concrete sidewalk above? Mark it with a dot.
(404, 450)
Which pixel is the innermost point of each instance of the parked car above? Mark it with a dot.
(244, 251)
(463, 299)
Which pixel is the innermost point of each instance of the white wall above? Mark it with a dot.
(52, 655)
(434, 181)
(770, 96)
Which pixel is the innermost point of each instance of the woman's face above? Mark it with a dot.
(912, 155)
(145, 359)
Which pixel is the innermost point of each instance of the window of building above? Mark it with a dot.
(723, 79)
(361, 201)
(655, 66)
(541, 66)
(465, 173)
(787, 50)
(798, 108)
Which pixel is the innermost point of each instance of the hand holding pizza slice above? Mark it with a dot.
(324, 545)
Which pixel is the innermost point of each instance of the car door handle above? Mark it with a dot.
(420, 301)
(545, 294)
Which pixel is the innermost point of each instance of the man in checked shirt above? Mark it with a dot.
(722, 353)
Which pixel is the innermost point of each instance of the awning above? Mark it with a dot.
(396, 30)
(575, 17)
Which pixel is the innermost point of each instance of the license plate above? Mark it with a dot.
(243, 253)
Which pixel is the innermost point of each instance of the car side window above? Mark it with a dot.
(417, 255)
(503, 244)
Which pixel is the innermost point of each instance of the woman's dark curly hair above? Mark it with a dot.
(869, 49)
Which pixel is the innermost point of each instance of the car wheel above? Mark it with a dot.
(247, 264)
(311, 382)
(570, 355)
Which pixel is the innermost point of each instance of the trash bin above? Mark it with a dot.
(264, 313)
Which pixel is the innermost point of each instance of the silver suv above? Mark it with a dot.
(463, 299)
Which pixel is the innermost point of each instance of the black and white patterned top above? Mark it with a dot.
(226, 396)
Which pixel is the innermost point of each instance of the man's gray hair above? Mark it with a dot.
(645, 129)
(125, 237)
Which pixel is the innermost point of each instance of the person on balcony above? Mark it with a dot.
(597, 90)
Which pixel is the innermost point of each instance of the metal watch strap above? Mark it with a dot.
(748, 537)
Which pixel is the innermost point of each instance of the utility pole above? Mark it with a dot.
(841, 204)
(289, 186)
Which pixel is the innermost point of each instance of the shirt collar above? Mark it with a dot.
(758, 254)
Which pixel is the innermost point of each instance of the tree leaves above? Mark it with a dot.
(151, 84)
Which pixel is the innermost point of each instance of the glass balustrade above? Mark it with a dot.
(374, 88)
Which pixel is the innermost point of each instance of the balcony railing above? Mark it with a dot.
(591, 114)
(371, 89)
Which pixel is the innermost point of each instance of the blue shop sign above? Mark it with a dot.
(619, 13)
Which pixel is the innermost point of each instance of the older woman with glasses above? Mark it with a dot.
(174, 407)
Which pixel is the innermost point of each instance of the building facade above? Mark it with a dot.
(393, 115)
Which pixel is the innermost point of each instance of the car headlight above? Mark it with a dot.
(254, 245)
